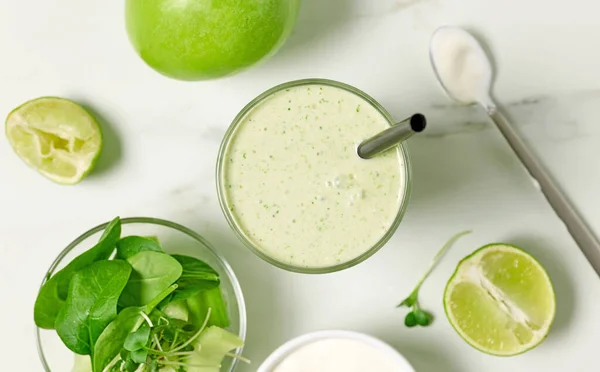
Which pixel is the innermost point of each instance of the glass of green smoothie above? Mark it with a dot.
(292, 186)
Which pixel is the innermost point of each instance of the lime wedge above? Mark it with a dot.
(55, 136)
(500, 300)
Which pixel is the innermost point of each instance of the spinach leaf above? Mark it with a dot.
(48, 303)
(153, 272)
(138, 339)
(112, 339)
(196, 276)
(198, 308)
(53, 293)
(101, 251)
(139, 356)
(130, 365)
(129, 246)
(91, 304)
(153, 237)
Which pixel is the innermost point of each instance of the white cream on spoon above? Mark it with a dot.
(461, 65)
(465, 72)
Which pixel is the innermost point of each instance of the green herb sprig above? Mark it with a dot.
(417, 316)
(160, 342)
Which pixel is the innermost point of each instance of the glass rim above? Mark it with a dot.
(221, 192)
(155, 221)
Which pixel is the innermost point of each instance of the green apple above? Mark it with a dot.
(204, 39)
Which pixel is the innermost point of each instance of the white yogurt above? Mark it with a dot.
(461, 64)
(295, 186)
(335, 351)
(338, 355)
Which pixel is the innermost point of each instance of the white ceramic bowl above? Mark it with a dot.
(291, 346)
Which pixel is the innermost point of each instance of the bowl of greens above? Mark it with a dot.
(143, 295)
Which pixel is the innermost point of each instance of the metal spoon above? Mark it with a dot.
(579, 230)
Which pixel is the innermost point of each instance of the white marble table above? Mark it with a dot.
(162, 138)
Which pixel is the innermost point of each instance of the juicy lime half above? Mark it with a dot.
(55, 136)
(500, 300)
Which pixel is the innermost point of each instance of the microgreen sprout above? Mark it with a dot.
(416, 315)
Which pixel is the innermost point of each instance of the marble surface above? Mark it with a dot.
(162, 138)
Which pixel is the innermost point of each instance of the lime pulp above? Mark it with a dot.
(55, 136)
(500, 300)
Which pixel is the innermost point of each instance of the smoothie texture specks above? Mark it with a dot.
(295, 186)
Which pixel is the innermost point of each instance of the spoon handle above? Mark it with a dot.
(579, 230)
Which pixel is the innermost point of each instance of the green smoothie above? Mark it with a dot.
(295, 186)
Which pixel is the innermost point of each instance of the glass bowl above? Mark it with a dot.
(222, 191)
(174, 238)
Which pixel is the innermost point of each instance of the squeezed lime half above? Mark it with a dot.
(55, 136)
(500, 300)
